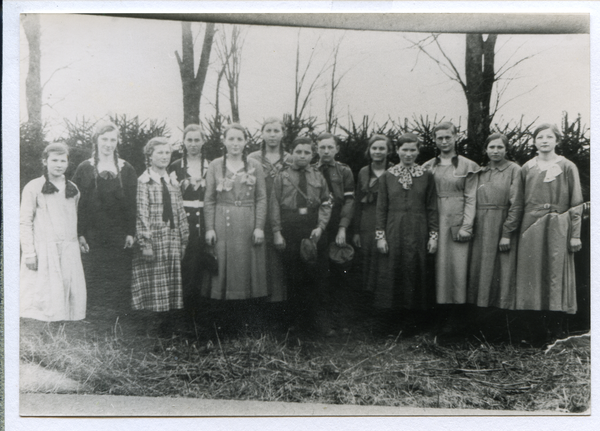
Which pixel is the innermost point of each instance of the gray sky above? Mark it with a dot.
(128, 66)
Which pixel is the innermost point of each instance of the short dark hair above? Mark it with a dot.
(302, 140)
(495, 136)
(408, 138)
(327, 135)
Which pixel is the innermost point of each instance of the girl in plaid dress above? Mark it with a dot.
(161, 232)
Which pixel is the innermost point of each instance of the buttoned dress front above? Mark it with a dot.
(275, 272)
(499, 211)
(552, 216)
(156, 285)
(235, 204)
(193, 274)
(456, 186)
(48, 224)
(408, 217)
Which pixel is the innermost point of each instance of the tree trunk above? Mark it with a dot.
(480, 78)
(193, 83)
(33, 84)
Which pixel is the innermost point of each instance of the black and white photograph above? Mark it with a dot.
(299, 214)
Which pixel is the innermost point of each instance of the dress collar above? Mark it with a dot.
(503, 165)
(150, 174)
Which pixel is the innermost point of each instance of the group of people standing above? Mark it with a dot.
(269, 233)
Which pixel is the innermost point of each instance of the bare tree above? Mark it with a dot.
(481, 75)
(301, 100)
(230, 56)
(33, 84)
(330, 117)
(193, 82)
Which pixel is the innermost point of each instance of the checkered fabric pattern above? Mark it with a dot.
(156, 285)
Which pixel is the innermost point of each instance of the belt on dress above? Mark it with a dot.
(193, 204)
(236, 203)
(548, 207)
(450, 194)
(492, 206)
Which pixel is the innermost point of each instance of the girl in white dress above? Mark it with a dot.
(52, 280)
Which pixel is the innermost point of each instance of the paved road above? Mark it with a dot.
(107, 405)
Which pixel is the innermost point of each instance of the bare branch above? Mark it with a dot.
(449, 70)
(517, 96)
(54, 72)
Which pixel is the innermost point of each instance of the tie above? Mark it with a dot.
(107, 175)
(300, 198)
(167, 210)
(325, 171)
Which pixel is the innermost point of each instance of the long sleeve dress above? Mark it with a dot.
(106, 216)
(275, 272)
(48, 225)
(193, 274)
(552, 216)
(156, 285)
(363, 222)
(492, 275)
(234, 206)
(456, 186)
(407, 215)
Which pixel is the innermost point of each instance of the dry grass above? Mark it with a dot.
(359, 369)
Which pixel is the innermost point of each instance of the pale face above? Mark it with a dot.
(272, 134)
(327, 150)
(302, 155)
(57, 164)
(193, 143)
(408, 153)
(107, 142)
(496, 150)
(235, 142)
(445, 140)
(378, 151)
(161, 156)
(545, 141)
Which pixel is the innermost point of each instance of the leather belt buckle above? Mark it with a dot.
(302, 211)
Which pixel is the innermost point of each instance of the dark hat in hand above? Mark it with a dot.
(308, 251)
(208, 261)
(342, 255)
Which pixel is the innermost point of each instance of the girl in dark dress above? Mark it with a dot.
(106, 220)
(406, 232)
(366, 202)
(190, 173)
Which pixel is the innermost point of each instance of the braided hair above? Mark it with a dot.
(192, 128)
(235, 126)
(263, 145)
(101, 129)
